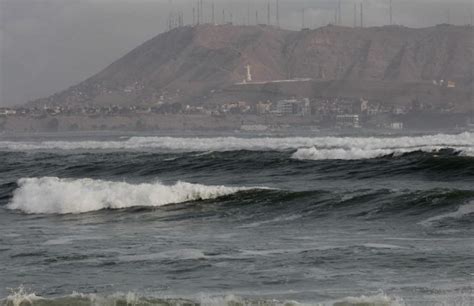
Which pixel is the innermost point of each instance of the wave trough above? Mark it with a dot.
(52, 195)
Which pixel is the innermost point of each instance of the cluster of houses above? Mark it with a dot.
(335, 111)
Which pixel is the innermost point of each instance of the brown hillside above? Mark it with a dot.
(191, 62)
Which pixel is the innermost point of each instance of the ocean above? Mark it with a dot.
(237, 220)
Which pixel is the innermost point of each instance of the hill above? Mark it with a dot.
(192, 64)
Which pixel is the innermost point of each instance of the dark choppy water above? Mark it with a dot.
(213, 221)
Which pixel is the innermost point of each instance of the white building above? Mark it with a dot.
(348, 121)
(7, 112)
(396, 125)
(293, 107)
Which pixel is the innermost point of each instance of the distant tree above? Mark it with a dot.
(176, 108)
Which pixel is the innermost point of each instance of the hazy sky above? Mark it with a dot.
(49, 45)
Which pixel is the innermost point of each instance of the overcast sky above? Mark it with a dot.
(49, 45)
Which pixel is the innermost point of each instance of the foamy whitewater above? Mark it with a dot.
(20, 297)
(308, 147)
(52, 195)
(251, 220)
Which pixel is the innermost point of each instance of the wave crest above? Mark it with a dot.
(461, 142)
(343, 154)
(368, 153)
(52, 195)
(461, 212)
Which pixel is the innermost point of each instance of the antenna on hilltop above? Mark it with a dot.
(472, 14)
(355, 15)
(175, 17)
(339, 13)
(170, 15)
(391, 13)
(268, 12)
(361, 15)
(248, 13)
(278, 13)
(302, 19)
(201, 10)
(198, 12)
(471, 11)
(213, 16)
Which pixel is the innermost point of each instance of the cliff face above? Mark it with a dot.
(191, 62)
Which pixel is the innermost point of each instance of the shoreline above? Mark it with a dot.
(230, 124)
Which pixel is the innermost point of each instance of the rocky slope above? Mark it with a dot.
(189, 63)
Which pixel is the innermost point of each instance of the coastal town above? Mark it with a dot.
(253, 92)
(320, 112)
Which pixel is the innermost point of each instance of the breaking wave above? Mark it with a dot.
(379, 299)
(52, 195)
(308, 147)
(462, 211)
(22, 297)
(369, 153)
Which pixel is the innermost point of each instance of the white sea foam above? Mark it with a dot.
(21, 296)
(376, 300)
(340, 153)
(370, 152)
(52, 195)
(462, 211)
(310, 147)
